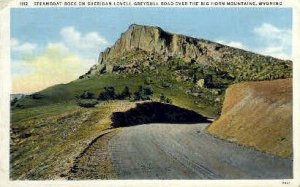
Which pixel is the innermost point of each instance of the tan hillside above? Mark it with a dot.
(258, 114)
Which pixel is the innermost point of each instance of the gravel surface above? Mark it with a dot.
(184, 151)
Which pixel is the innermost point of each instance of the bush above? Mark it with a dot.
(20, 106)
(168, 100)
(143, 93)
(87, 95)
(138, 94)
(147, 81)
(166, 84)
(36, 96)
(108, 94)
(13, 102)
(164, 99)
(147, 91)
(208, 81)
(177, 62)
(87, 103)
(125, 93)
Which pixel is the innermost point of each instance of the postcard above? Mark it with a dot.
(149, 93)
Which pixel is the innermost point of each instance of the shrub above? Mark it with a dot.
(208, 81)
(143, 93)
(147, 91)
(138, 94)
(87, 95)
(164, 99)
(36, 96)
(108, 94)
(168, 100)
(166, 84)
(125, 93)
(147, 81)
(13, 102)
(177, 62)
(20, 106)
(87, 103)
(194, 78)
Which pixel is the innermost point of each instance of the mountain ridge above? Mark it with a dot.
(155, 40)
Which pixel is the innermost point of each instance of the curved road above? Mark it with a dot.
(184, 151)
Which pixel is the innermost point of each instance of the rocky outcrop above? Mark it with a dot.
(155, 41)
(258, 114)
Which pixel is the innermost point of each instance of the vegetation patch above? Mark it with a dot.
(87, 103)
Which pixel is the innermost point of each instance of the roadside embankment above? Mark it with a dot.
(258, 114)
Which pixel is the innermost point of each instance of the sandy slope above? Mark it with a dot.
(258, 114)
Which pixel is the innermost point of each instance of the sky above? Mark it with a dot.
(57, 45)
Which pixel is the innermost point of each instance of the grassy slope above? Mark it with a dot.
(258, 114)
(65, 93)
(44, 145)
(47, 133)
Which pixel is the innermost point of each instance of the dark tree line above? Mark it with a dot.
(109, 93)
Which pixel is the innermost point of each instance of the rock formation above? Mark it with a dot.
(157, 42)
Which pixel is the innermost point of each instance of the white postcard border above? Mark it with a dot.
(5, 87)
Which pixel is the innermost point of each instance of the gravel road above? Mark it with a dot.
(184, 151)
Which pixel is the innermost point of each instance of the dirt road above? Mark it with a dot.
(171, 151)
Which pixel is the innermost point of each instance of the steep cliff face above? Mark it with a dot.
(154, 40)
(258, 114)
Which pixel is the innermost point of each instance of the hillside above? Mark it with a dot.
(258, 114)
(192, 73)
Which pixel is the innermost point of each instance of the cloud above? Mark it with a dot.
(54, 66)
(22, 48)
(278, 52)
(38, 67)
(276, 41)
(85, 45)
(235, 44)
(273, 41)
(58, 46)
